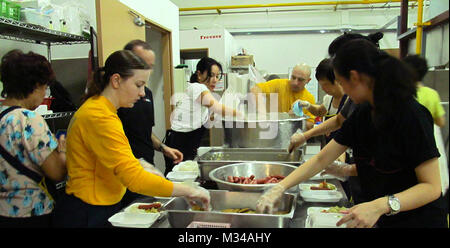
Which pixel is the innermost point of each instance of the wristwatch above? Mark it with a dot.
(394, 205)
(161, 147)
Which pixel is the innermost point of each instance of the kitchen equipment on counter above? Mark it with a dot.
(258, 169)
(180, 215)
(217, 157)
(272, 131)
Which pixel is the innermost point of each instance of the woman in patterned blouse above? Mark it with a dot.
(26, 136)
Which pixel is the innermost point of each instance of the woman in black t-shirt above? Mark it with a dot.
(391, 135)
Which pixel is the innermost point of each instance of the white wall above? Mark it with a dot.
(165, 14)
(436, 8)
(275, 53)
(213, 39)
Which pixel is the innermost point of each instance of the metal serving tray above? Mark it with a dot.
(180, 215)
(218, 157)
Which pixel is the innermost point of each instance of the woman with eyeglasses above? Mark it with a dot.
(192, 112)
(26, 143)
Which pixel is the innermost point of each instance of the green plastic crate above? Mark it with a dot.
(13, 11)
(3, 8)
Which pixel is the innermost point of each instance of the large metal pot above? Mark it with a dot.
(275, 131)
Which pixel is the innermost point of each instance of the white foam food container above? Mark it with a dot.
(309, 195)
(312, 210)
(186, 166)
(324, 220)
(330, 197)
(133, 208)
(307, 187)
(181, 176)
(133, 220)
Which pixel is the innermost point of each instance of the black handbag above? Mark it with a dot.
(46, 184)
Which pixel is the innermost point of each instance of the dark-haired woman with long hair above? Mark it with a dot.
(27, 139)
(391, 135)
(100, 162)
(192, 111)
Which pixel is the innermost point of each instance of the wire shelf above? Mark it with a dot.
(57, 115)
(27, 32)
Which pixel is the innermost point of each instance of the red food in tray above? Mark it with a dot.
(252, 180)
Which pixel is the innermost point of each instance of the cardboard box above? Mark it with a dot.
(241, 60)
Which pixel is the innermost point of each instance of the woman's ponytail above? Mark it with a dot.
(393, 87)
(392, 81)
(194, 78)
(121, 62)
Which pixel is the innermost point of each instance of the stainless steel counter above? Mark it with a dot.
(300, 214)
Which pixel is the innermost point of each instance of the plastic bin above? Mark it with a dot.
(3, 9)
(13, 11)
(34, 17)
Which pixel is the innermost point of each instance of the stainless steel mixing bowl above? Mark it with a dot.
(259, 169)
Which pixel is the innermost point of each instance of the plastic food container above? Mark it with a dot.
(186, 166)
(133, 220)
(133, 208)
(324, 220)
(307, 187)
(181, 176)
(34, 17)
(309, 195)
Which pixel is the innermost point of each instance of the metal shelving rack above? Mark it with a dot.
(57, 115)
(31, 33)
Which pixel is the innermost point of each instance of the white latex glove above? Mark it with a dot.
(150, 168)
(198, 194)
(303, 104)
(268, 201)
(297, 139)
(338, 169)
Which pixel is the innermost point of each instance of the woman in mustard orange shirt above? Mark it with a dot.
(100, 162)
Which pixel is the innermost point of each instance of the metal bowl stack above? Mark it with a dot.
(258, 169)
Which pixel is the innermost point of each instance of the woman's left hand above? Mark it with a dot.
(364, 215)
(174, 154)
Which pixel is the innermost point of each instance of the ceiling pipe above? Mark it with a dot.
(273, 5)
(291, 10)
